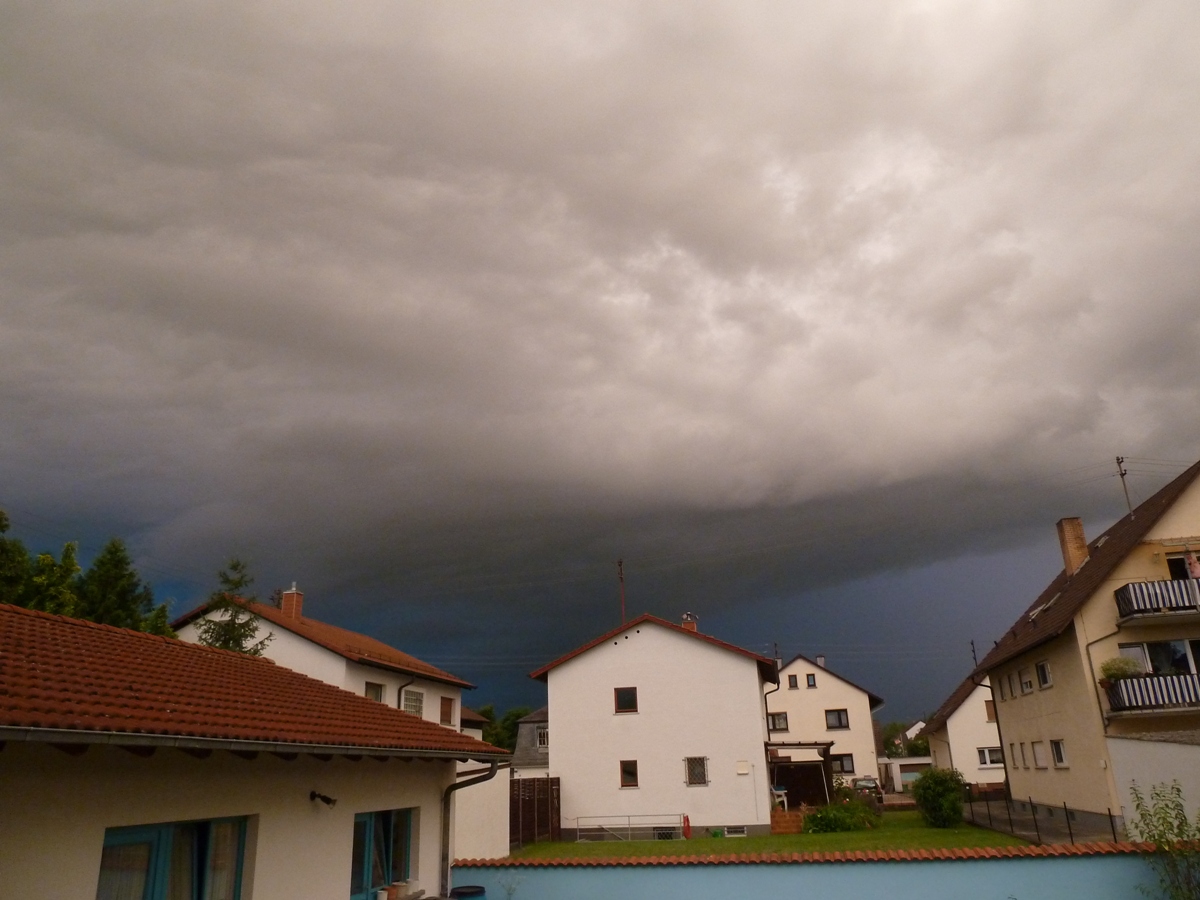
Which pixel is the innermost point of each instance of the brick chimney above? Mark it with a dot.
(1073, 543)
(293, 602)
(689, 621)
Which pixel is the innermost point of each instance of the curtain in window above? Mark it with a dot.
(124, 870)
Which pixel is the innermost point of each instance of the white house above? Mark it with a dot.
(346, 659)
(813, 704)
(373, 669)
(963, 735)
(654, 721)
(531, 755)
(141, 766)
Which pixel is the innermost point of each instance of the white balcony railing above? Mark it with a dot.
(1147, 597)
(1149, 692)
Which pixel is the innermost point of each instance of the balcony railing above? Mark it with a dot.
(1148, 597)
(1151, 692)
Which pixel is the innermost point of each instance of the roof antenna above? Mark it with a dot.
(1121, 471)
(621, 579)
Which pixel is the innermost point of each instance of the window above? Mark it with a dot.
(989, 708)
(695, 770)
(629, 773)
(793, 682)
(541, 735)
(812, 679)
(842, 763)
(1012, 754)
(178, 861)
(777, 722)
(1012, 690)
(447, 711)
(625, 699)
(1059, 753)
(374, 692)
(1039, 754)
(1024, 764)
(1165, 657)
(990, 756)
(414, 702)
(1043, 675)
(382, 851)
(1026, 681)
(836, 718)
(1000, 684)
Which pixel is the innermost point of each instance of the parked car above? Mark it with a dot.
(868, 786)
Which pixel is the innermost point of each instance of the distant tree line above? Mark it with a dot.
(110, 592)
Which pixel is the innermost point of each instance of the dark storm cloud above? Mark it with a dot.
(457, 303)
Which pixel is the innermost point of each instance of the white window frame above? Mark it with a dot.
(1040, 759)
(1058, 753)
(373, 690)
(1025, 676)
(413, 703)
(990, 757)
(1044, 678)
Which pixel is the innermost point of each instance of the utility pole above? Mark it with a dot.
(1121, 471)
(621, 581)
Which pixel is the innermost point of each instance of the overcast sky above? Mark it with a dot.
(819, 315)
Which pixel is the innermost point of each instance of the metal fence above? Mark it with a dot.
(1041, 823)
(667, 827)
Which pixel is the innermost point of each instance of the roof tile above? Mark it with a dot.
(61, 673)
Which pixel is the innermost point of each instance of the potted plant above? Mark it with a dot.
(1117, 668)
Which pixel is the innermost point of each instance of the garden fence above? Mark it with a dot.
(1041, 823)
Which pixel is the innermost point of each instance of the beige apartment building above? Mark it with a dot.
(1068, 734)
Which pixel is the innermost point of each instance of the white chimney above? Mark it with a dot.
(821, 660)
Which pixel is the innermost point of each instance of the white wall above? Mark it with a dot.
(56, 808)
(1155, 762)
(694, 699)
(806, 707)
(478, 811)
(968, 729)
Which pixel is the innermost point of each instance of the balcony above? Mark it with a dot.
(1164, 599)
(1155, 693)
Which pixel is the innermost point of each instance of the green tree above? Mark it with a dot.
(51, 584)
(111, 592)
(502, 733)
(14, 566)
(1163, 821)
(939, 795)
(229, 625)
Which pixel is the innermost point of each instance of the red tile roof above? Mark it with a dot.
(1054, 609)
(765, 666)
(1106, 848)
(64, 680)
(350, 644)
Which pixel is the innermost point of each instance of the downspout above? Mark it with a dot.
(447, 794)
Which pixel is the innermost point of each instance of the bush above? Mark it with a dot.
(939, 795)
(1120, 667)
(1163, 821)
(849, 815)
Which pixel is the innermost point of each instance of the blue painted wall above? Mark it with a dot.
(1090, 878)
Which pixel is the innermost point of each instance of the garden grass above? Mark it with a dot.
(902, 830)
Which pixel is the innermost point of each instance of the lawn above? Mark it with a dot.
(899, 831)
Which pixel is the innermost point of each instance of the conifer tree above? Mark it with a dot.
(111, 593)
(229, 625)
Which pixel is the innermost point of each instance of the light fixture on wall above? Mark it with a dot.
(328, 801)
